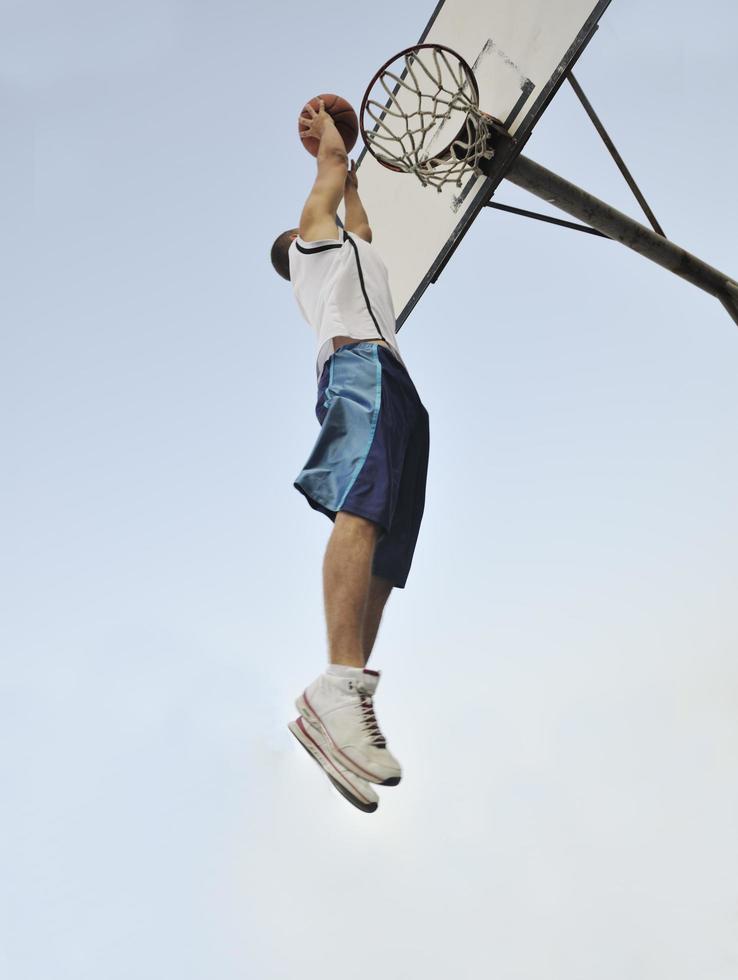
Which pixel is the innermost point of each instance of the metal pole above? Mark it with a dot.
(573, 200)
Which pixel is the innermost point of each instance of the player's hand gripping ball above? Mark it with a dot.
(343, 116)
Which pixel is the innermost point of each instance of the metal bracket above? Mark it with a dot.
(547, 218)
(605, 137)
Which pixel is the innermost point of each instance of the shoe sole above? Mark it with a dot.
(343, 780)
(303, 706)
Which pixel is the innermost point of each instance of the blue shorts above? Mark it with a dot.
(371, 457)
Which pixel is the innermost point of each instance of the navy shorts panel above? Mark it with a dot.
(371, 456)
(395, 549)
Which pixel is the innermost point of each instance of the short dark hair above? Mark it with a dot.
(280, 248)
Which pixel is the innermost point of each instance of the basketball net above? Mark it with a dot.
(428, 94)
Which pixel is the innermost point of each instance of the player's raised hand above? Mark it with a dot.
(314, 123)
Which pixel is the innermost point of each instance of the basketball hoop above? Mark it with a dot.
(413, 103)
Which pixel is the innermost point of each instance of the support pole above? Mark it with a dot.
(573, 200)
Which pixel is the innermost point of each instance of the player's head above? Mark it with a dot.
(280, 248)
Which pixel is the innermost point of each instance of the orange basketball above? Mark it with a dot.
(343, 116)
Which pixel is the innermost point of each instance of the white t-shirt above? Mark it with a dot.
(342, 288)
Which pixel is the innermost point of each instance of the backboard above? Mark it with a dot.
(519, 51)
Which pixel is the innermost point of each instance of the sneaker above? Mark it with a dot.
(343, 710)
(356, 790)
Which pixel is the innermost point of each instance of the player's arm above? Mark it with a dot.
(356, 219)
(318, 219)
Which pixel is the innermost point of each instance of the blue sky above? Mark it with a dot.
(559, 678)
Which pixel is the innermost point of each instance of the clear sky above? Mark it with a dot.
(560, 677)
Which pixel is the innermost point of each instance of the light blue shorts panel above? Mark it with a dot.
(348, 409)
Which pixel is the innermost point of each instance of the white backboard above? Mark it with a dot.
(520, 51)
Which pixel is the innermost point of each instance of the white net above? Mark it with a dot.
(421, 115)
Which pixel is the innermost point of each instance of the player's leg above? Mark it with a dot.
(346, 586)
(339, 703)
(346, 575)
(379, 593)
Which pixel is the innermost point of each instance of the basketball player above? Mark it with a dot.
(367, 471)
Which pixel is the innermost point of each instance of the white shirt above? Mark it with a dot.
(342, 288)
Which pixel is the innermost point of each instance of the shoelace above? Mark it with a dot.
(371, 725)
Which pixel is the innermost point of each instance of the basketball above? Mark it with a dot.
(343, 116)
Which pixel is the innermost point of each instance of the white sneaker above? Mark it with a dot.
(343, 710)
(356, 790)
